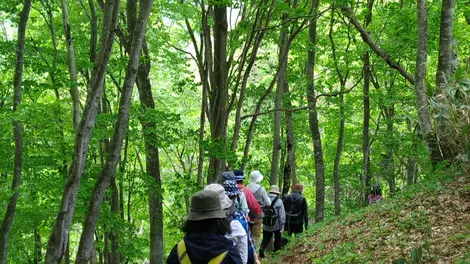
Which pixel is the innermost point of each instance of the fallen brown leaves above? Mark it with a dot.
(390, 231)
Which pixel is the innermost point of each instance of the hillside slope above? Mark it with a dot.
(436, 219)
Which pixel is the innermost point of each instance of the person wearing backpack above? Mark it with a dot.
(296, 210)
(240, 202)
(375, 195)
(232, 191)
(273, 221)
(205, 229)
(261, 197)
(255, 210)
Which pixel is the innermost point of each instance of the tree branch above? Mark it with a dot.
(377, 50)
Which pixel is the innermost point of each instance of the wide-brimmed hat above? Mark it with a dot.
(228, 176)
(256, 176)
(225, 202)
(205, 205)
(274, 189)
(239, 175)
(231, 188)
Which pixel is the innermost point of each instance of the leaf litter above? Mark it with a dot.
(439, 222)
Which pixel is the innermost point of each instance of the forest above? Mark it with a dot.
(114, 113)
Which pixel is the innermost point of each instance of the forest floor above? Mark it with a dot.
(426, 223)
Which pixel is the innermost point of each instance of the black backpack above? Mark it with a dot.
(295, 207)
(270, 215)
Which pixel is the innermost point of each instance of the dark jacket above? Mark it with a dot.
(296, 203)
(201, 248)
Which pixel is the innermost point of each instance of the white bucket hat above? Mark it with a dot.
(256, 176)
(225, 202)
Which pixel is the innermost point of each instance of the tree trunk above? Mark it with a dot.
(365, 180)
(444, 63)
(85, 246)
(445, 70)
(17, 132)
(420, 85)
(365, 183)
(152, 164)
(219, 94)
(37, 246)
(410, 171)
(72, 67)
(58, 238)
(282, 85)
(258, 36)
(114, 235)
(313, 122)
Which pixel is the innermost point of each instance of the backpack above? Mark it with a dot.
(184, 258)
(253, 205)
(295, 208)
(270, 214)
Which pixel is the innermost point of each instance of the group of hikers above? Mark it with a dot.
(225, 221)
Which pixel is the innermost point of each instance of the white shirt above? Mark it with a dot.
(240, 239)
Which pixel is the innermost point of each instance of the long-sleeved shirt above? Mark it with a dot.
(240, 239)
(242, 204)
(281, 215)
(260, 194)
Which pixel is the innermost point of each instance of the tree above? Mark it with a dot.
(313, 121)
(17, 132)
(58, 239)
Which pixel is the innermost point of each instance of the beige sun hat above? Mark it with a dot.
(274, 189)
(225, 202)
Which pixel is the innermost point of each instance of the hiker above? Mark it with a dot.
(232, 191)
(375, 195)
(240, 202)
(239, 235)
(296, 211)
(273, 222)
(253, 205)
(261, 197)
(205, 229)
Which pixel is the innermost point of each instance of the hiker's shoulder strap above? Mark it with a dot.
(182, 254)
(219, 258)
(184, 258)
(273, 202)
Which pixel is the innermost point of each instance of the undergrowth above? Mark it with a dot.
(428, 222)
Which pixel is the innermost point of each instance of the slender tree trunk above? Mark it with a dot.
(108, 173)
(72, 66)
(282, 85)
(420, 85)
(219, 95)
(17, 132)
(444, 64)
(256, 45)
(152, 165)
(365, 182)
(37, 246)
(94, 30)
(313, 122)
(389, 162)
(114, 235)
(58, 238)
(339, 150)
